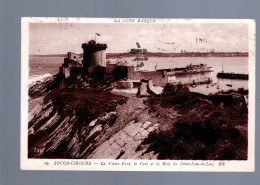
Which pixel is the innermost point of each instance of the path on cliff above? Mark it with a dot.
(77, 123)
(80, 127)
(123, 139)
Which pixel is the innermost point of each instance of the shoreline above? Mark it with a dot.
(158, 54)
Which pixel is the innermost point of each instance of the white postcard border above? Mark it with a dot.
(133, 165)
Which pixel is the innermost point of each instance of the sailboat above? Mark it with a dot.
(218, 79)
(229, 85)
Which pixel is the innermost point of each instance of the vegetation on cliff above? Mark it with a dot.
(207, 127)
(85, 120)
(61, 126)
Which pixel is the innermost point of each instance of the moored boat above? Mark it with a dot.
(229, 85)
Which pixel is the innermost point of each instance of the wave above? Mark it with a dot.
(38, 78)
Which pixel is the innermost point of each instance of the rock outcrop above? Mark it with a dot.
(94, 123)
(90, 123)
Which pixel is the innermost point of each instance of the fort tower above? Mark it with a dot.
(93, 55)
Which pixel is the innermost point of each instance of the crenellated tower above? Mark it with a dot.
(94, 54)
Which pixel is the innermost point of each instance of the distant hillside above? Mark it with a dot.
(153, 54)
(186, 54)
(51, 55)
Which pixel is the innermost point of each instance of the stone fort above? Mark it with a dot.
(94, 54)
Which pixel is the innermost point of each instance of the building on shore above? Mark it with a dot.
(94, 54)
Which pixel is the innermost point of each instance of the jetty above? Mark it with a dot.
(233, 76)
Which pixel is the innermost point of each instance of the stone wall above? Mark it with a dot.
(110, 68)
(125, 85)
(158, 77)
(67, 72)
(76, 70)
(72, 60)
(73, 56)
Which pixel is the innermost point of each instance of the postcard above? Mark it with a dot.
(137, 94)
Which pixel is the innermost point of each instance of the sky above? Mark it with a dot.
(60, 38)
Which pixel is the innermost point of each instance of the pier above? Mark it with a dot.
(233, 76)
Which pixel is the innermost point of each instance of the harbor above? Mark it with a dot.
(168, 64)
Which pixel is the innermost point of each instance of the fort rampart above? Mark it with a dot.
(159, 78)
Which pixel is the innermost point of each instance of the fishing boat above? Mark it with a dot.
(229, 85)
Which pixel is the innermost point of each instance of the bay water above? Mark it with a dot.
(42, 67)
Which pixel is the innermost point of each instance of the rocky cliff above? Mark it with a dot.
(80, 122)
(89, 123)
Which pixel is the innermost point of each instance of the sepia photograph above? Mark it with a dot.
(139, 91)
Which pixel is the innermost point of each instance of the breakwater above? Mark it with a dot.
(233, 76)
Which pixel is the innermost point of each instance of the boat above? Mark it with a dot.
(193, 69)
(229, 85)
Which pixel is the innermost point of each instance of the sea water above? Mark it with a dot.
(43, 67)
(219, 64)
